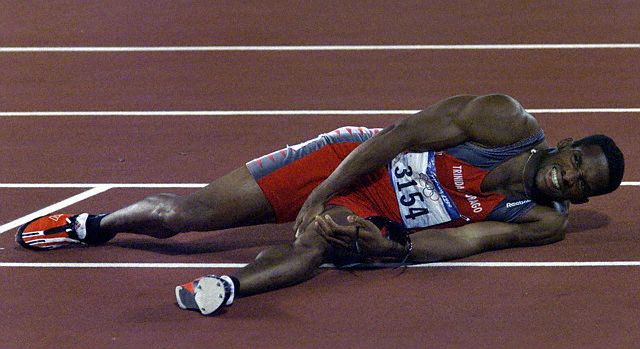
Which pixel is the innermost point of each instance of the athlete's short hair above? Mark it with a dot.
(614, 156)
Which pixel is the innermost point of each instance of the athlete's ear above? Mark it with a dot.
(565, 143)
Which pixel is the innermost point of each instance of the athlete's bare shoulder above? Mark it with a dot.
(491, 120)
(496, 120)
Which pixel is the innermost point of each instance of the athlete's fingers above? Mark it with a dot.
(341, 232)
(348, 231)
(322, 226)
(323, 229)
(367, 224)
(299, 219)
(298, 226)
(306, 215)
(304, 222)
(330, 227)
(332, 240)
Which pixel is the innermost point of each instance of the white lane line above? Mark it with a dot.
(121, 265)
(94, 185)
(55, 207)
(286, 112)
(583, 110)
(374, 265)
(529, 264)
(211, 113)
(320, 48)
(136, 185)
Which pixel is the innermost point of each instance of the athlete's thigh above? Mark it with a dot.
(232, 200)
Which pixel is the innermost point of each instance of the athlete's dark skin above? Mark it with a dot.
(495, 120)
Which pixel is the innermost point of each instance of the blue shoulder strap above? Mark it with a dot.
(488, 158)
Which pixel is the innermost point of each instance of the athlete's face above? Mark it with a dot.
(573, 173)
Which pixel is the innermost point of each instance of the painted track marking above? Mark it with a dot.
(137, 185)
(51, 208)
(110, 185)
(321, 48)
(372, 265)
(286, 112)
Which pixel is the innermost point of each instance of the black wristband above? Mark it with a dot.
(395, 232)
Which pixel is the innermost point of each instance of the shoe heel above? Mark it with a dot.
(210, 295)
(179, 299)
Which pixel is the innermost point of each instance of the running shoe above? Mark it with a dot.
(50, 232)
(206, 294)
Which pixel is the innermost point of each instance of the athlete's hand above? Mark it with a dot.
(362, 235)
(307, 214)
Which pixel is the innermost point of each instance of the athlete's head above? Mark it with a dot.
(577, 170)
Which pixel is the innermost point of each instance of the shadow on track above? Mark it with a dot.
(582, 220)
(208, 242)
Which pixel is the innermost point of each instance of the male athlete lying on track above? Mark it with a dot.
(468, 174)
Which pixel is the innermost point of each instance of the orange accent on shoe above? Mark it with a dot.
(45, 222)
(39, 233)
(190, 286)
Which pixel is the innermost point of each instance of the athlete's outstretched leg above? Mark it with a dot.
(233, 200)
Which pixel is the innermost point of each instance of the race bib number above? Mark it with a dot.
(422, 200)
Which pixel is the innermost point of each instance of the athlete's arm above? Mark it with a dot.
(542, 225)
(433, 245)
(491, 120)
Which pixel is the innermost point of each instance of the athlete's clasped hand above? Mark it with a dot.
(307, 214)
(361, 235)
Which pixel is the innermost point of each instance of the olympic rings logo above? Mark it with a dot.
(428, 188)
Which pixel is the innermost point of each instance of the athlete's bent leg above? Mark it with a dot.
(277, 267)
(232, 200)
(287, 265)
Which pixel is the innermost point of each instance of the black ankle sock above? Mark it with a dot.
(95, 235)
(236, 284)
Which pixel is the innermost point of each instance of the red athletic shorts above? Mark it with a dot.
(288, 176)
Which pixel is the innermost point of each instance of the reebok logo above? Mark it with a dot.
(517, 203)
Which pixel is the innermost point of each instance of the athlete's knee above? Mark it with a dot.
(311, 247)
(314, 247)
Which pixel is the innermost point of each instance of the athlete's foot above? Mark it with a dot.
(207, 294)
(53, 231)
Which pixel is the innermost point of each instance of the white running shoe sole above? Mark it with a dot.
(210, 295)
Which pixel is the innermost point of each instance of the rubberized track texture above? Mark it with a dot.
(121, 295)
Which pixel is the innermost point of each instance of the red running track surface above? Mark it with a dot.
(387, 308)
